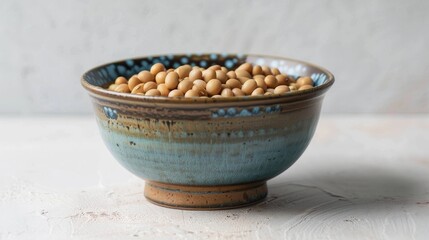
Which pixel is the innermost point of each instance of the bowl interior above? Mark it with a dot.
(105, 74)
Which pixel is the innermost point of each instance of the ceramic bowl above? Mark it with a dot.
(206, 153)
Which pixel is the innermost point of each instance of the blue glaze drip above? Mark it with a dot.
(203, 63)
(122, 70)
(221, 112)
(229, 64)
(129, 62)
(255, 110)
(245, 113)
(184, 60)
(110, 113)
(231, 112)
(111, 69)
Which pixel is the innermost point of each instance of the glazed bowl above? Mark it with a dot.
(206, 153)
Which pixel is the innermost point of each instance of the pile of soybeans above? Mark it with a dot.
(215, 81)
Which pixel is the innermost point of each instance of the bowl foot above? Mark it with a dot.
(205, 197)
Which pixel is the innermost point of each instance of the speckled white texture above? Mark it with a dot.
(377, 49)
(362, 177)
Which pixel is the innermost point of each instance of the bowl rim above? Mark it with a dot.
(295, 95)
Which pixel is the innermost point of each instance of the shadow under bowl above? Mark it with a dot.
(206, 153)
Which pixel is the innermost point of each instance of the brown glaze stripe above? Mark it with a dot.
(154, 111)
(130, 109)
(202, 103)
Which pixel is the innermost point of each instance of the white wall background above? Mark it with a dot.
(378, 50)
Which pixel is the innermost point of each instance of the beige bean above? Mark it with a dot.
(145, 76)
(149, 85)
(271, 90)
(261, 83)
(112, 87)
(281, 89)
(266, 70)
(213, 87)
(257, 70)
(281, 79)
(268, 93)
(200, 89)
(153, 92)
(163, 89)
(249, 86)
(293, 88)
(123, 88)
(304, 81)
(259, 76)
(195, 74)
(217, 96)
(233, 83)
(209, 74)
(200, 82)
(134, 81)
(224, 69)
(304, 87)
(248, 67)
(271, 81)
(183, 71)
(237, 92)
(295, 85)
(215, 67)
(175, 93)
(172, 80)
(138, 88)
(156, 68)
(258, 91)
(227, 93)
(160, 77)
(231, 74)
(120, 80)
(275, 71)
(191, 93)
(185, 85)
(221, 76)
(242, 73)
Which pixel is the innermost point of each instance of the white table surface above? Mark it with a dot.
(362, 177)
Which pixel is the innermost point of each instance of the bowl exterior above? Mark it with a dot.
(206, 142)
(214, 146)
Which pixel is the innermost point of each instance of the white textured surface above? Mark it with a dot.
(377, 49)
(362, 177)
